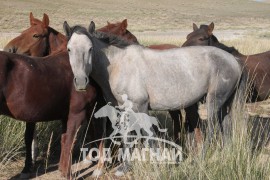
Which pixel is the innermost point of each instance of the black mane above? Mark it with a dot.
(107, 38)
(79, 30)
(222, 46)
(112, 39)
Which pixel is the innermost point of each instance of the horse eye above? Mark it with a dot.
(36, 36)
(68, 50)
(91, 48)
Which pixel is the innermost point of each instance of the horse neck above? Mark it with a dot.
(57, 41)
(102, 59)
(228, 49)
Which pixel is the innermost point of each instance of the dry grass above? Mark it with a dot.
(154, 15)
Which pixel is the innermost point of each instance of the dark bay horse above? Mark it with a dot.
(41, 89)
(42, 40)
(258, 65)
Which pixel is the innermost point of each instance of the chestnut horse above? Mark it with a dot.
(258, 65)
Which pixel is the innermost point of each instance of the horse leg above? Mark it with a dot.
(63, 141)
(35, 147)
(125, 167)
(215, 104)
(28, 138)
(73, 124)
(97, 126)
(99, 170)
(193, 119)
(177, 125)
(225, 130)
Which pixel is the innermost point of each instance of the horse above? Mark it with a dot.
(258, 65)
(192, 122)
(144, 75)
(41, 89)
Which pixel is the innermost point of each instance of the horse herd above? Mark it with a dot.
(62, 77)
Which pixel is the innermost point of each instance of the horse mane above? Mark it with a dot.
(222, 46)
(107, 38)
(79, 30)
(112, 39)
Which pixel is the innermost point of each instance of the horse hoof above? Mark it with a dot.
(97, 173)
(25, 175)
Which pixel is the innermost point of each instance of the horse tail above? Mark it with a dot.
(242, 91)
(237, 100)
(155, 122)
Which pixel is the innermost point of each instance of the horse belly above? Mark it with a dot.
(35, 111)
(36, 104)
(174, 96)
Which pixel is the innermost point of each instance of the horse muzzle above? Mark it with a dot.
(81, 83)
(10, 49)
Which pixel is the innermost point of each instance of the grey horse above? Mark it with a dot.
(159, 80)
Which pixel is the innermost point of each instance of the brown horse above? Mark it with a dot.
(258, 65)
(41, 89)
(43, 40)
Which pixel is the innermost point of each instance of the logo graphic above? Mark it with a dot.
(124, 121)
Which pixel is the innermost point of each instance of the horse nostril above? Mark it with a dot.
(12, 50)
(86, 80)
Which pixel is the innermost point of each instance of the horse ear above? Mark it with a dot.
(195, 27)
(211, 28)
(31, 19)
(66, 29)
(92, 28)
(45, 20)
(124, 25)
(108, 23)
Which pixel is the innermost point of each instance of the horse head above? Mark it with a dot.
(38, 40)
(119, 29)
(200, 36)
